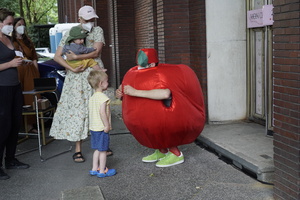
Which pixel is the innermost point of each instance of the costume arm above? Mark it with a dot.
(156, 94)
(104, 116)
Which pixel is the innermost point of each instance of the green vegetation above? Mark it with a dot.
(35, 13)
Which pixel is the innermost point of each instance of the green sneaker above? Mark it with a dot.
(170, 160)
(156, 156)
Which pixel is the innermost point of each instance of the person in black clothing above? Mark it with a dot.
(11, 99)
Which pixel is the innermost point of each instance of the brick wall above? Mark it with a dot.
(164, 25)
(144, 24)
(126, 35)
(286, 77)
(176, 32)
(160, 30)
(103, 21)
(68, 10)
(198, 63)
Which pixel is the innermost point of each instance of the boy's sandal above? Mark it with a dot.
(107, 172)
(93, 173)
(78, 157)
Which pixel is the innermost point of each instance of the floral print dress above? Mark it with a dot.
(71, 120)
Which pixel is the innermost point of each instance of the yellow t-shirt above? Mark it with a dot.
(95, 122)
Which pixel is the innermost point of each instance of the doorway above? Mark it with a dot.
(259, 62)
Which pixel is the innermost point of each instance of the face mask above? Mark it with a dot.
(88, 26)
(7, 29)
(20, 29)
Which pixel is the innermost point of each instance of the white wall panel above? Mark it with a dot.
(226, 60)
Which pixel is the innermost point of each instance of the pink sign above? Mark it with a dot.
(260, 17)
(268, 15)
(255, 18)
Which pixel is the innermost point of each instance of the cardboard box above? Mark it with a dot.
(42, 104)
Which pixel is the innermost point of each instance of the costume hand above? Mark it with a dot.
(129, 90)
(71, 55)
(119, 93)
(16, 62)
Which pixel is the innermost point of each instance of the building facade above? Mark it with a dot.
(286, 101)
(246, 73)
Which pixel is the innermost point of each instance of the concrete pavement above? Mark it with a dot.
(245, 145)
(202, 176)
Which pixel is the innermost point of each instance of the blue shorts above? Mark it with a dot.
(99, 140)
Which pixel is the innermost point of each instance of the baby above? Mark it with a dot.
(75, 43)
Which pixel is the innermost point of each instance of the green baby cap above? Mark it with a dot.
(76, 32)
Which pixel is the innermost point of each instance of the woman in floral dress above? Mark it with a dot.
(71, 118)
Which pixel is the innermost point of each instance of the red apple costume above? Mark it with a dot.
(151, 122)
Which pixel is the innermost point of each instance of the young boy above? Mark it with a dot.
(75, 43)
(100, 124)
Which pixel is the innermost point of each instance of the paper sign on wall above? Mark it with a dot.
(260, 17)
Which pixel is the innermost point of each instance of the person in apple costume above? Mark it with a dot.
(162, 107)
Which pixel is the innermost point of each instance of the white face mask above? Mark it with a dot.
(20, 29)
(7, 29)
(88, 26)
